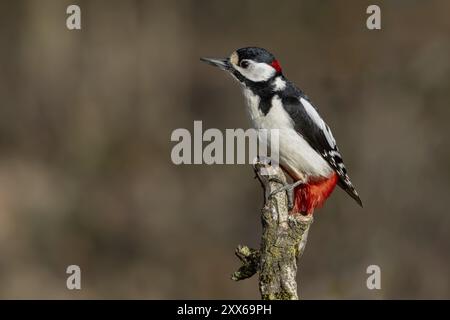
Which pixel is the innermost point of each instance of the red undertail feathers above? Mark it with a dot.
(313, 194)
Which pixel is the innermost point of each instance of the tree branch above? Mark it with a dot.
(283, 241)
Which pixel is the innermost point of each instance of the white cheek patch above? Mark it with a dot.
(257, 71)
(278, 84)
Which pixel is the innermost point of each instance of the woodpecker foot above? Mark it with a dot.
(288, 188)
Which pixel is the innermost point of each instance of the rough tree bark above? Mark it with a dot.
(283, 241)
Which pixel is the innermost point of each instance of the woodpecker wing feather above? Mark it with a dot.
(317, 133)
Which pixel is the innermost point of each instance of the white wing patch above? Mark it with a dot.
(319, 122)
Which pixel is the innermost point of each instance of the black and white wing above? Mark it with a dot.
(316, 132)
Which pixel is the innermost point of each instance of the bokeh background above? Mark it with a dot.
(86, 118)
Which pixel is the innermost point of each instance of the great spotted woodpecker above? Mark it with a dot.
(307, 148)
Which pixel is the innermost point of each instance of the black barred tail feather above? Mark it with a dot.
(350, 189)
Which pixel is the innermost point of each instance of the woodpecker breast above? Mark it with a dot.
(296, 155)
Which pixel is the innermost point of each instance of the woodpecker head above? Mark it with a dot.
(250, 65)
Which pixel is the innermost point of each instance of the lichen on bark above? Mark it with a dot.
(283, 241)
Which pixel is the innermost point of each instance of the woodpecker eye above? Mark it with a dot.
(244, 64)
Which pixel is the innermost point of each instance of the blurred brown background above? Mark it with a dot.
(85, 124)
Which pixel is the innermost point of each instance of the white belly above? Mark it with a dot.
(296, 155)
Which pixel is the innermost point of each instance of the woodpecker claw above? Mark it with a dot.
(289, 188)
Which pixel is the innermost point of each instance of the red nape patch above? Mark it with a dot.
(276, 65)
(313, 194)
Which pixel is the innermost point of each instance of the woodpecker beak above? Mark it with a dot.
(223, 64)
